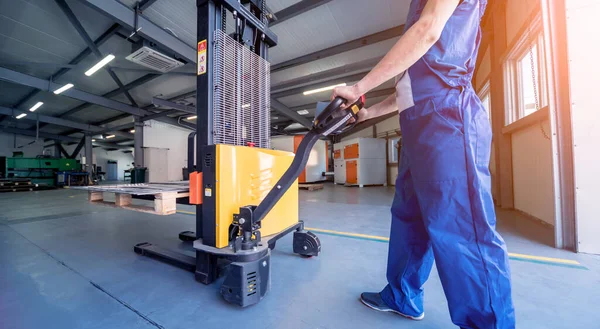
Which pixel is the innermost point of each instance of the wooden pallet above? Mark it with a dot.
(15, 182)
(311, 186)
(165, 203)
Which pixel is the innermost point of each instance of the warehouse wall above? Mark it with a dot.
(162, 135)
(22, 143)
(531, 152)
(532, 173)
(584, 80)
(102, 156)
(124, 160)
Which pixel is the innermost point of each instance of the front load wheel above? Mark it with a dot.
(306, 244)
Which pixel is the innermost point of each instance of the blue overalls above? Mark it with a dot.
(443, 207)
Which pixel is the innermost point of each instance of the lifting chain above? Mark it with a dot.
(535, 85)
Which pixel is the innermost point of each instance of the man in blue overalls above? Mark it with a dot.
(442, 208)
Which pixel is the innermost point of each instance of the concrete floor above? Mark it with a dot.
(68, 264)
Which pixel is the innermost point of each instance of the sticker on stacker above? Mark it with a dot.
(201, 57)
(208, 192)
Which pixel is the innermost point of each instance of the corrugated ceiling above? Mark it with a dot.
(37, 31)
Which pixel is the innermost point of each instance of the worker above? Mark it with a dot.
(442, 208)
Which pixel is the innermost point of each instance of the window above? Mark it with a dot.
(528, 68)
(484, 96)
(525, 75)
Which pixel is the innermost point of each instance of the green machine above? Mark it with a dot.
(40, 170)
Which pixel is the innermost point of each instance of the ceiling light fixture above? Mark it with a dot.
(318, 90)
(132, 131)
(22, 115)
(192, 117)
(110, 136)
(302, 112)
(36, 106)
(93, 140)
(100, 64)
(245, 106)
(63, 88)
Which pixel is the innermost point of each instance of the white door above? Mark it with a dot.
(156, 160)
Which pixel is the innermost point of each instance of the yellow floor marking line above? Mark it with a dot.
(514, 256)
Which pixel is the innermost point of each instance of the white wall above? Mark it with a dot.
(162, 135)
(22, 143)
(585, 78)
(532, 172)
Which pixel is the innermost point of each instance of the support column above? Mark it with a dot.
(57, 149)
(503, 143)
(89, 154)
(138, 142)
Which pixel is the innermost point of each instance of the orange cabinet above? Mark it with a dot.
(351, 172)
(351, 151)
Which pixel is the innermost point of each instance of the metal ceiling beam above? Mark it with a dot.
(77, 149)
(347, 46)
(115, 129)
(159, 115)
(147, 107)
(296, 9)
(369, 95)
(126, 17)
(334, 81)
(39, 134)
(86, 37)
(363, 66)
(57, 121)
(173, 105)
(134, 84)
(284, 110)
(127, 69)
(145, 4)
(45, 85)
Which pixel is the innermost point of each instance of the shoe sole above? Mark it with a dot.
(393, 311)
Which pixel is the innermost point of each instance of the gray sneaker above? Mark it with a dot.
(374, 301)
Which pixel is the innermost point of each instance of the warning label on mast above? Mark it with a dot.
(202, 57)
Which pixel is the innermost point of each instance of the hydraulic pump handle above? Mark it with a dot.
(331, 120)
(289, 177)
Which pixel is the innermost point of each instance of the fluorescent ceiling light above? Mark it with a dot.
(245, 106)
(93, 140)
(110, 136)
(100, 64)
(132, 131)
(36, 106)
(192, 117)
(314, 91)
(275, 118)
(22, 115)
(302, 112)
(63, 88)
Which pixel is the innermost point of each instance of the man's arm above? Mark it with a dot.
(382, 108)
(413, 45)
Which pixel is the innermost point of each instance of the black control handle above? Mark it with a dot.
(334, 119)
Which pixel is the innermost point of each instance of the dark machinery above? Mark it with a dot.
(241, 188)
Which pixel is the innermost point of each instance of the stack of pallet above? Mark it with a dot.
(16, 185)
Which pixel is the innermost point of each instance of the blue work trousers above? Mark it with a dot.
(443, 210)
